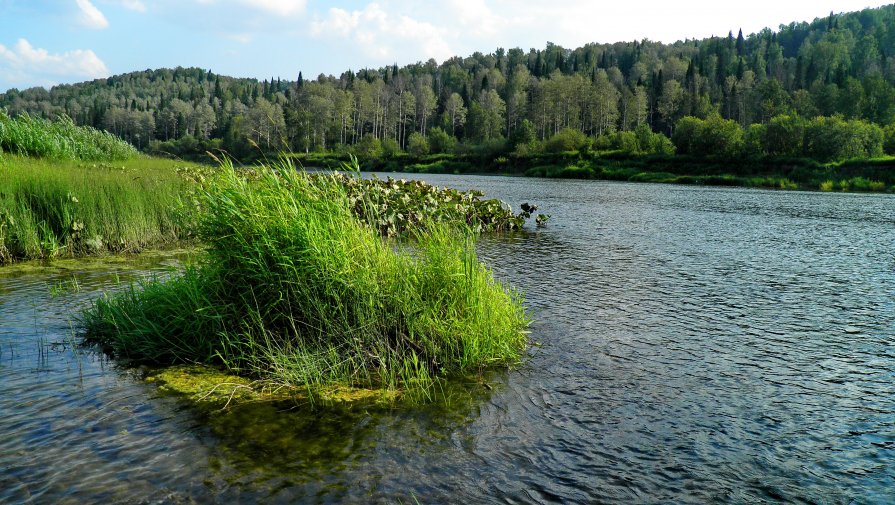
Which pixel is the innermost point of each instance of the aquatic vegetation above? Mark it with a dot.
(207, 386)
(298, 290)
(61, 139)
(63, 287)
(860, 184)
(865, 185)
(397, 206)
(52, 209)
(787, 184)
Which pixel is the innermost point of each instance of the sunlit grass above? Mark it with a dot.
(296, 289)
(52, 208)
(61, 139)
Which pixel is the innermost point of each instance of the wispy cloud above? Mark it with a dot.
(381, 34)
(134, 5)
(242, 38)
(90, 16)
(478, 16)
(282, 7)
(25, 63)
(279, 7)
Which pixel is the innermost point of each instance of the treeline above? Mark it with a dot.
(840, 68)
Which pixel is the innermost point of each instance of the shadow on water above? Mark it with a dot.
(283, 451)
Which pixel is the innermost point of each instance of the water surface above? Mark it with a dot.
(696, 345)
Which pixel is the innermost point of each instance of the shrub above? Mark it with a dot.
(653, 143)
(835, 139)
(440, 141)
(627, 142)
(417, 144)
(369, 148)
(685, 131)
(568, 139)
(784, 135)
(713, 136)
(523, 134)
(889, 139)
(754, 140)
(390, 148)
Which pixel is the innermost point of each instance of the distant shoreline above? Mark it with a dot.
(858, 175)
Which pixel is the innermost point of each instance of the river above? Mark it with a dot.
(694, 345)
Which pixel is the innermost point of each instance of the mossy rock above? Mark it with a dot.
(206, 385)
(210, 387)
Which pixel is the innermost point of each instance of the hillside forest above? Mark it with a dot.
(823, 90)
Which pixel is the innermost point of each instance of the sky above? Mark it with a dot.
(49, 42)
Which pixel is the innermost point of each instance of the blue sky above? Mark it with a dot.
(47, 42)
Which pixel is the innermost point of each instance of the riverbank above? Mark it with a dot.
(870, 175)
(56, 208)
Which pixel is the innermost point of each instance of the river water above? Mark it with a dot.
(694, 345)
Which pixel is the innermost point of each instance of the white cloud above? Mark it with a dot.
(242, 38)
(375, 32)
(27, 64)
(90, 16)
(378, 32)
(281, 7)
(278, 7)
(134, 5)
(571, 23)
(476, 15)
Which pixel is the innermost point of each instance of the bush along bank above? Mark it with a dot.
(297, 290)
(775, 172)
(711, 152)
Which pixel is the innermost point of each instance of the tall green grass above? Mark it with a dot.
(296, 289)
(61, 139)
(54, 209)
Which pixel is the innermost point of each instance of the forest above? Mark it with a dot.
(823, 90)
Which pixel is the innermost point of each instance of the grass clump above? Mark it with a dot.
(296, 289)
(51, 209)
(61, 139)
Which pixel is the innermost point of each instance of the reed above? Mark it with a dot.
(61, 139)
(295, 288)
(52, 208)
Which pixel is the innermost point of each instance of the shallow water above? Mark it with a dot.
(697, 345)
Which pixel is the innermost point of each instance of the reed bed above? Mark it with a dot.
(52, 208)
(296, 289)
(61, 139)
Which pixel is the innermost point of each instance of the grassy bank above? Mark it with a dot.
(61, 139)
(877, 175)
(295, 288)
(59, 208)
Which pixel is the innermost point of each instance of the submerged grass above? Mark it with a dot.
(52, 209)
(296, 289)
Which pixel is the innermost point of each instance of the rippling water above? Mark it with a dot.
(696, 345)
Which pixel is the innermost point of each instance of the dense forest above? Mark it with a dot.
(824, 90)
